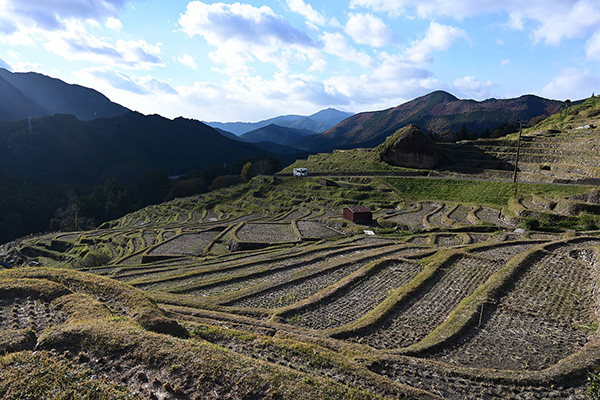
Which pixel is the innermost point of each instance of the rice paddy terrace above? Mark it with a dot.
(466, 288)
(263, 291)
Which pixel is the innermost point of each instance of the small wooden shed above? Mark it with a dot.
(358, 214)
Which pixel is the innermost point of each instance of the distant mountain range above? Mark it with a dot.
(439, 113)
(276, 134)
(33, 95)
(92, 138)
(315, 123)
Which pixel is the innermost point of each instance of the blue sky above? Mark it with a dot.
(252, 60)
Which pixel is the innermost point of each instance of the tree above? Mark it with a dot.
(152, 188)
(246, 171)
(67, 218)
(567, 106)
(224, 181)
(264, 165)
(187, 187)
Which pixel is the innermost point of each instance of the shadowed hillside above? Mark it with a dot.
(275, 134)
(33, 95)
(63, 149)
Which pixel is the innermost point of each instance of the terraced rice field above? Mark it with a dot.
(266, 233)
(185, 244)
(452, 309)
(428, 308)
(313, 229)
(348, 305)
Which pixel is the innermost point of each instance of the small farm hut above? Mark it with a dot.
(358, 214)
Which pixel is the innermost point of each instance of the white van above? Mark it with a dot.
(300, 172)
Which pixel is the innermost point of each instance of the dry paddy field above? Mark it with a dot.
(451, 314)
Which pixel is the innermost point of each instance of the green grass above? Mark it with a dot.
(210, 368)
(475, 192)
(263, 197)
(552, 222)
(343, 161)
(42, 375)
(563, 119)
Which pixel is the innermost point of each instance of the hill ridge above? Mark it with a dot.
(47, 96)
(439, 113)
(65, 149)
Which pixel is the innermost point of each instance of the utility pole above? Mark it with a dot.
(517, 160)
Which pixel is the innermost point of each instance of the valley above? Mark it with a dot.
(465, 283)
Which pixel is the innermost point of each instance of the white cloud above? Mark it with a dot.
(254, 98)
(572, 83)
(438, 37)
(319, 65)
(551, 20)
(567, 21)
(61, 27)
(368, 29)
(242, 34)
(26, 66)
(75, 43)
(336, 44)
(516, 21)
(146, 85)
(5, 65)
(425, 8)
(114, 24)
(49, 14)
(390, 83)
(188, 61)
(470, 87)
(13, 54)
(18, 36)
(506, 62)
(154, 86)
(7, 27)
(219, 23)
(306, 10)
(592, 47)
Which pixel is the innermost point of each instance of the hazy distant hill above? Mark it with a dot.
(439, 113)
(316, 123)
(227, 134)
(64, 149)
(286, 154)
(321, 121)
(275, 134)
(33, 95)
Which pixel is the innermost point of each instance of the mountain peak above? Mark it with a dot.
(440, 96)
